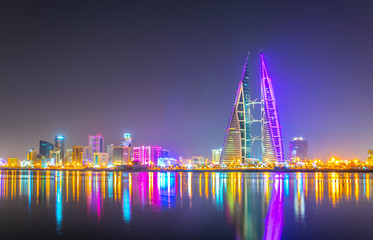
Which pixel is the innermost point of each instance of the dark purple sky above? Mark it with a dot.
(167, 71)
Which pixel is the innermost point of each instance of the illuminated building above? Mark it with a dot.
(298, 149)
(118, 155)
(96, 143)
(13, 162)
(122, 155)
(127, 140)
(68, 157)
(32, 155)
(3, 162)
(216, 153)
(109, 150)
(370, 157)
(272, 147)
(146, 155)
(77, 155)
(56, 156)
(127, 155)
(198, 160)
(100, 159)
(164, 153)
(166, 162)
(237, 141)
(87, 155)
(59, 144)
(45, 147)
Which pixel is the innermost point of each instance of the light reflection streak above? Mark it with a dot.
(274, 219)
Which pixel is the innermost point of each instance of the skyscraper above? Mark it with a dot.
(55, 156)
(272, 147)
(32, 155)
(100, 159)
(96, 143)
(45, 147)
(237, 142)
(87, 155)
(146, 155)
(59, 144)
(109, 150)
(77, 155)
(298, 149)
(216, 153)
(370, 157)
(127, 140)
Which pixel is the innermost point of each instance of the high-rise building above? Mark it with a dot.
(272, 147)
(146, 155)
(370, 157)
(100, 159)
(56, 156)
(45, 147)
(118, 155)
(127, 140)
(109, 150)
(59, 144)
(13, 162)
(198, 160)
(216, 154)
(298, 149)
(32, 155)
(96, 143)
(77, 156)
(69, 156)
(164, 153)
(127, 155)
(237, 141)
(87, 155)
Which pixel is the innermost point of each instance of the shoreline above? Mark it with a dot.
(203, 170)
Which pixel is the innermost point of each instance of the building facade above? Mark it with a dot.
(32, 155)
(45, 147)
(59, 144)
(77, 156)
(56, 156)
(126, 140)
(96, 142)
(87, 155)
(146, 155)
(272, 147)
(100, 159)
(216, 154)
(237, 142)
(298, 148)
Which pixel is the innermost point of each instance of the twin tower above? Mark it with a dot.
(239, 141)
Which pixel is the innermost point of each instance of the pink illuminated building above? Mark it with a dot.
(147, 155)
(96, 143)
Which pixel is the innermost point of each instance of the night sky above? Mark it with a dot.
(167, 72)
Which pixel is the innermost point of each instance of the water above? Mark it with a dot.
(95, 205)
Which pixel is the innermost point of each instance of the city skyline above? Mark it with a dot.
(196, 63)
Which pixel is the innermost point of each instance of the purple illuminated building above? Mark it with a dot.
(147, 155)
(96, 143)
(272, 148)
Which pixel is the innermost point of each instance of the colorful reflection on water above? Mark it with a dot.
(182, 205)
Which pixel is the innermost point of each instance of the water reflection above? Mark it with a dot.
(252, 203)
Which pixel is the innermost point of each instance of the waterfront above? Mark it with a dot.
(186, 205)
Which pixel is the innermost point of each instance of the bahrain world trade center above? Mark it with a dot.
(238, 142)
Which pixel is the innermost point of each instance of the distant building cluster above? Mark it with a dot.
(94, 154)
